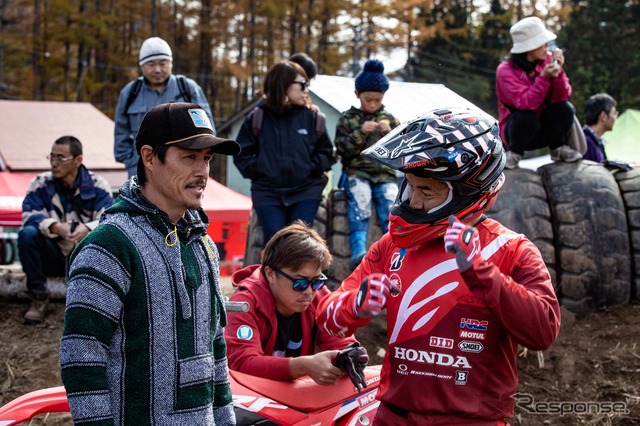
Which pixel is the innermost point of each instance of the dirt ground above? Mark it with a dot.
(590, 376)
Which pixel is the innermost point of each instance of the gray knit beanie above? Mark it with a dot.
(372, 78)
(154, 49)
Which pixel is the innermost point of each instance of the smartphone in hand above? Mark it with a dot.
(552, 48)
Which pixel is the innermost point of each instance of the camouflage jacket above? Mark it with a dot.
(350, 141)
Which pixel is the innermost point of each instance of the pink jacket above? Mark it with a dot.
(516, 89)
(249, 350)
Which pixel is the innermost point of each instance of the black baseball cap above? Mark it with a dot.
(181, 124)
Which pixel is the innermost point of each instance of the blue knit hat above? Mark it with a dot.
(372, 78)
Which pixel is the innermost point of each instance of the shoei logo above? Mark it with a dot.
(468, 346)
(200, 119)
(244, 332)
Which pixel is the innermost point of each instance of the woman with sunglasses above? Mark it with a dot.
(286, 158)
(278, 337)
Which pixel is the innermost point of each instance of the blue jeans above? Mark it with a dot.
(360, 193)
(40, 256)
(274, 218)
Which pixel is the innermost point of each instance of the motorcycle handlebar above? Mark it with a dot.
(236, 306)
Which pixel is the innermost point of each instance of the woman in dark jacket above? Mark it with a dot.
(285, 159)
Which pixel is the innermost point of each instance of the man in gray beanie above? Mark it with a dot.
(367, 180)
(157, 85)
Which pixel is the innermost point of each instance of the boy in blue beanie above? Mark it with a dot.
(358, 129)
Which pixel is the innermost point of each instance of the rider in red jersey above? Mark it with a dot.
(470, 290)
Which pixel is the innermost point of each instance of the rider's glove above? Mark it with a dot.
(352, 360)
(372, 296)
(464, 241)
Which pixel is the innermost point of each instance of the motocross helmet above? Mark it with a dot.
(458, 146)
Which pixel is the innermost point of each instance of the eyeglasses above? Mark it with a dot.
(300, 284)
(304, 85)
(59, 158)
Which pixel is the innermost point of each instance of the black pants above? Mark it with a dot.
(526, 131)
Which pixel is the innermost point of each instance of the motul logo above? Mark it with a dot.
(441, 342)
(471, 335)
(430, 357)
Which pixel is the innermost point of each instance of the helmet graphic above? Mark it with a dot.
(461, 147)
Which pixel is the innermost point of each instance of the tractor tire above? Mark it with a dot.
(629, 184)
(523, 207)
(591, 235)
(254, 244)
(338, 237)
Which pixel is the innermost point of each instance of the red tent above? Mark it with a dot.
(228, 211)
(13, 186)
(223, 204)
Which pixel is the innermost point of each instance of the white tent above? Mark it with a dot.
(623, 142)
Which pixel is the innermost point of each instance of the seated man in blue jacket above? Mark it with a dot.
(59, 210)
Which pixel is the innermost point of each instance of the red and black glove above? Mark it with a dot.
(352, 360)
(464, 241)
(372, 296)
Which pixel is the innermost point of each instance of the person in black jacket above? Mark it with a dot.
(286, 159)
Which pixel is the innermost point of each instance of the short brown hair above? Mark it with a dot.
(295, 245)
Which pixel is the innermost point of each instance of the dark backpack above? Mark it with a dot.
(135, 89)
(258, 115)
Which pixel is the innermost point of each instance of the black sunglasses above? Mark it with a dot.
(304, 85)
(300, 284)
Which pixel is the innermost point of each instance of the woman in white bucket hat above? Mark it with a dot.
(533, 95)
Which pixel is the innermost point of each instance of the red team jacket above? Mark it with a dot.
(251, 336)
(452, 337)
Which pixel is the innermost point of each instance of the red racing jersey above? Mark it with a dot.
(453, 337)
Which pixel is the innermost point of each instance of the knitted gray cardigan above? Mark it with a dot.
(143, 337)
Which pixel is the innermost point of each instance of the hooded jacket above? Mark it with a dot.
(251, 336)
(143, 339)
(517, 89)
(285, 161)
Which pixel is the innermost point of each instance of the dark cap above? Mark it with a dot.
(184, 125)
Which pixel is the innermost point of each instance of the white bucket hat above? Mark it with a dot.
(528, 34)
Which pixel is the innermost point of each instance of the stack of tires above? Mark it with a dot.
(585, 220)
(583, 217)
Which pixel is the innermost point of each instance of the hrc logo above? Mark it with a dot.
(473, 324)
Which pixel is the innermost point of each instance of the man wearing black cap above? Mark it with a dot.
(156, 86)
(143, 339)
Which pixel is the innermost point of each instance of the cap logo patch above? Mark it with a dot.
(200, 119)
